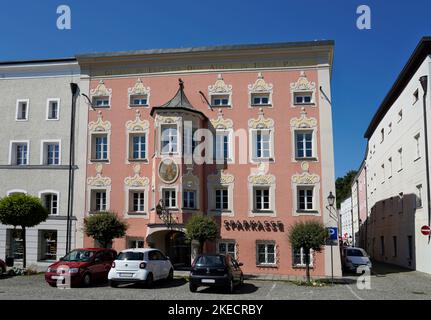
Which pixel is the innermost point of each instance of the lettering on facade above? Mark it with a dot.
(253, 225)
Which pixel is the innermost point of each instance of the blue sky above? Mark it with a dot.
(366, 61)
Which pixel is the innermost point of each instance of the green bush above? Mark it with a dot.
(104, 227)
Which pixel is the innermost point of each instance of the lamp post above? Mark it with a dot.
(331, 200)
(164, 214)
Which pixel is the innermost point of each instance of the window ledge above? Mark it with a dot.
(263, 160)
(301, 266)
(261, 105)
(266, 266)
(307, 211)
(99, 160)
(306, 158)
(135, 213)
(221, 106)
(304, 104)
(99, 107)
(221, 211)
(263, 212)
(139, 105)
(138, 160)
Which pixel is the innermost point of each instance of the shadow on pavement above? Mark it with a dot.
(246, 288)
(382, 269)
(161, 284)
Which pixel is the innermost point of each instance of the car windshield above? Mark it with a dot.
(210, 261)
(79, 256)
(354, 253)
(129, 255)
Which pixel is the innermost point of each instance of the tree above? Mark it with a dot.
(343, 185)
(201, 228)
(104, 227)
(22, 210)
(309, 235)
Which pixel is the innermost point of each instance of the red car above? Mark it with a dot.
(82, 266)
(2, 267)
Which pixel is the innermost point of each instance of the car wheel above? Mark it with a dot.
(150, 280)
(113, 284)
(193, 287)
(52, 284)
(231, 286)
(170, 275)
(86, 281)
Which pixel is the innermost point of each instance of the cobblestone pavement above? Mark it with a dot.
(386, 283)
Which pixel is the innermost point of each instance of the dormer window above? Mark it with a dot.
(260, 92)
(169, 139)
(101, 102)
(220, 93)
(260, 99)
(303, 98)
(303, 91)
(101, 96)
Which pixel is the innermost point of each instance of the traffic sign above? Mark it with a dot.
(425, 230)
(333, 233)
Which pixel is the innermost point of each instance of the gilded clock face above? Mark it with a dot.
(168, 171)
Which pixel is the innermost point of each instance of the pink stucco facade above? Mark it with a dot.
(242, 228)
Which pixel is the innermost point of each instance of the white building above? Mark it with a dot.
(35, 104)
(397, 175)
(346, 220)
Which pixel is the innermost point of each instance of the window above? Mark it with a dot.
(382, 245)
(304, 144)
(390, 128)
(390, 167)
(401, 202)
(50, 201)
(137, 201)
(98, 200)
(14, 244)
(47, 245)
(22, 110)
(419, 196)
(299, 257)
(138, 149)
(261, 199)
(382, 135)
(220, 101)
(418, 146)
(169, 198)
(305, 198)
(100, 147)
(222, 199)
(303, 98)
(51, 153)
(169, 139)
(101, 102)
(400, 115)
(261, 144)
(19, 153)
(265, 253)
(415, 96)
(189, 199)
(260, 99)
(138, 100)
(394, 241)
(222, 145)
(400, 159)
(53, 109)
(410, 247)
(189, 143)
(227, 247)
(136, 244)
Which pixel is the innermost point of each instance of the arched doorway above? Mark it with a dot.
(178, 249)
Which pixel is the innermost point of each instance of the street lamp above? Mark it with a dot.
(164, 214)
(331, 201)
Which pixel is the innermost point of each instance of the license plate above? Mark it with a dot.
(208, 281)
(57, 277)
(125, 275)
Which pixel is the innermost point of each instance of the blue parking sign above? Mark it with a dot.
(333, 233)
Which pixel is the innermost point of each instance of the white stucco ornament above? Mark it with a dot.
(219, 87)
(137, 125)
(260, 86)
(261, 122)
(99, 180)
(221, 123)
(136, 180)
(221, 177)
(303, 121)
(302, 84)
(139, 89)
(305, 177)
(99, 125)
(101, 90)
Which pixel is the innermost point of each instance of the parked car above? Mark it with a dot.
(2, 267)
(215, 270)
(354, 257)
(141, 265)
(84, 266)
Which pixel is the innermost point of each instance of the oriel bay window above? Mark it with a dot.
(304, 144)
(99, 145)
(169, 141)
(138, 147)
(265, 253)
(189, 199)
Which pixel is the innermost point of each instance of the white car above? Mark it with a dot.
(140, 266)
(355, 257)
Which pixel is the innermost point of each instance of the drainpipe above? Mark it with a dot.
(424, 82)
(366, 208)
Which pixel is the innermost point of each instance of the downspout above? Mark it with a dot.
(357, 201)
(424, 82)
(366, 207)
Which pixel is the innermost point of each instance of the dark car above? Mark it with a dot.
(2, 267)
(83, 266)
(215, 270)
